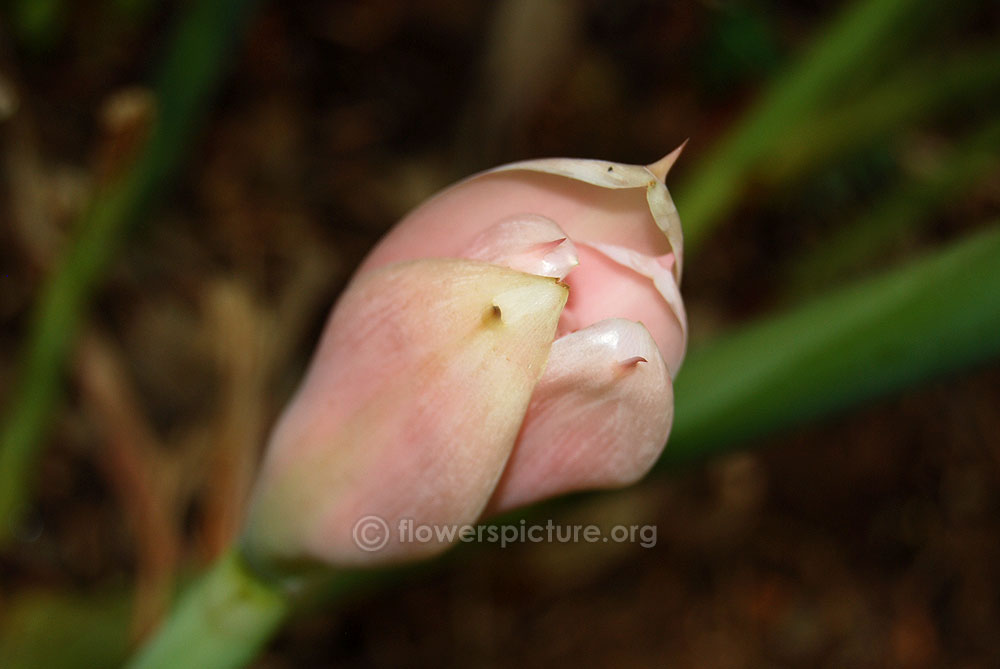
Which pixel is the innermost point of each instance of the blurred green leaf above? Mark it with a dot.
(902, 209)
(932, 316)
(56, 630)
(202, 44)
(846, 48)
(38, 23)
(909, 97)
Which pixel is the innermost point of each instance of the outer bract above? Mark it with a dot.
(410, 409)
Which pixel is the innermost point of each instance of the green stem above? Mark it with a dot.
(203, 41)
(933, 316)
(222, 621)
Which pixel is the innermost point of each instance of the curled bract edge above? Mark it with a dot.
(622, 176)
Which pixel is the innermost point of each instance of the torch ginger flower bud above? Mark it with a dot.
(513, 338)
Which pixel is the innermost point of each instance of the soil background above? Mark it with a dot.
(870, 539)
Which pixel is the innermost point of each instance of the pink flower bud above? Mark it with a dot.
(427, 400)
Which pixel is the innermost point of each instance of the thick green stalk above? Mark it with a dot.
(222, 621)
(845, 48)
(202, 43)
(930, 317)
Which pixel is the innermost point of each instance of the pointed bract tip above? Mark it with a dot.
(632, 362)
(661, 167)
(545, 247)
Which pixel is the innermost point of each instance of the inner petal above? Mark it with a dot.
(603, 287)
(528, 243)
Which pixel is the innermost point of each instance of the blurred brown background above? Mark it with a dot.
(866, 540)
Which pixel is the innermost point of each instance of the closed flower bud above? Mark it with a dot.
(454, 378)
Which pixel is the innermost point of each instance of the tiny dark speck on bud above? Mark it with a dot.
(492, 316)
(610, 168)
